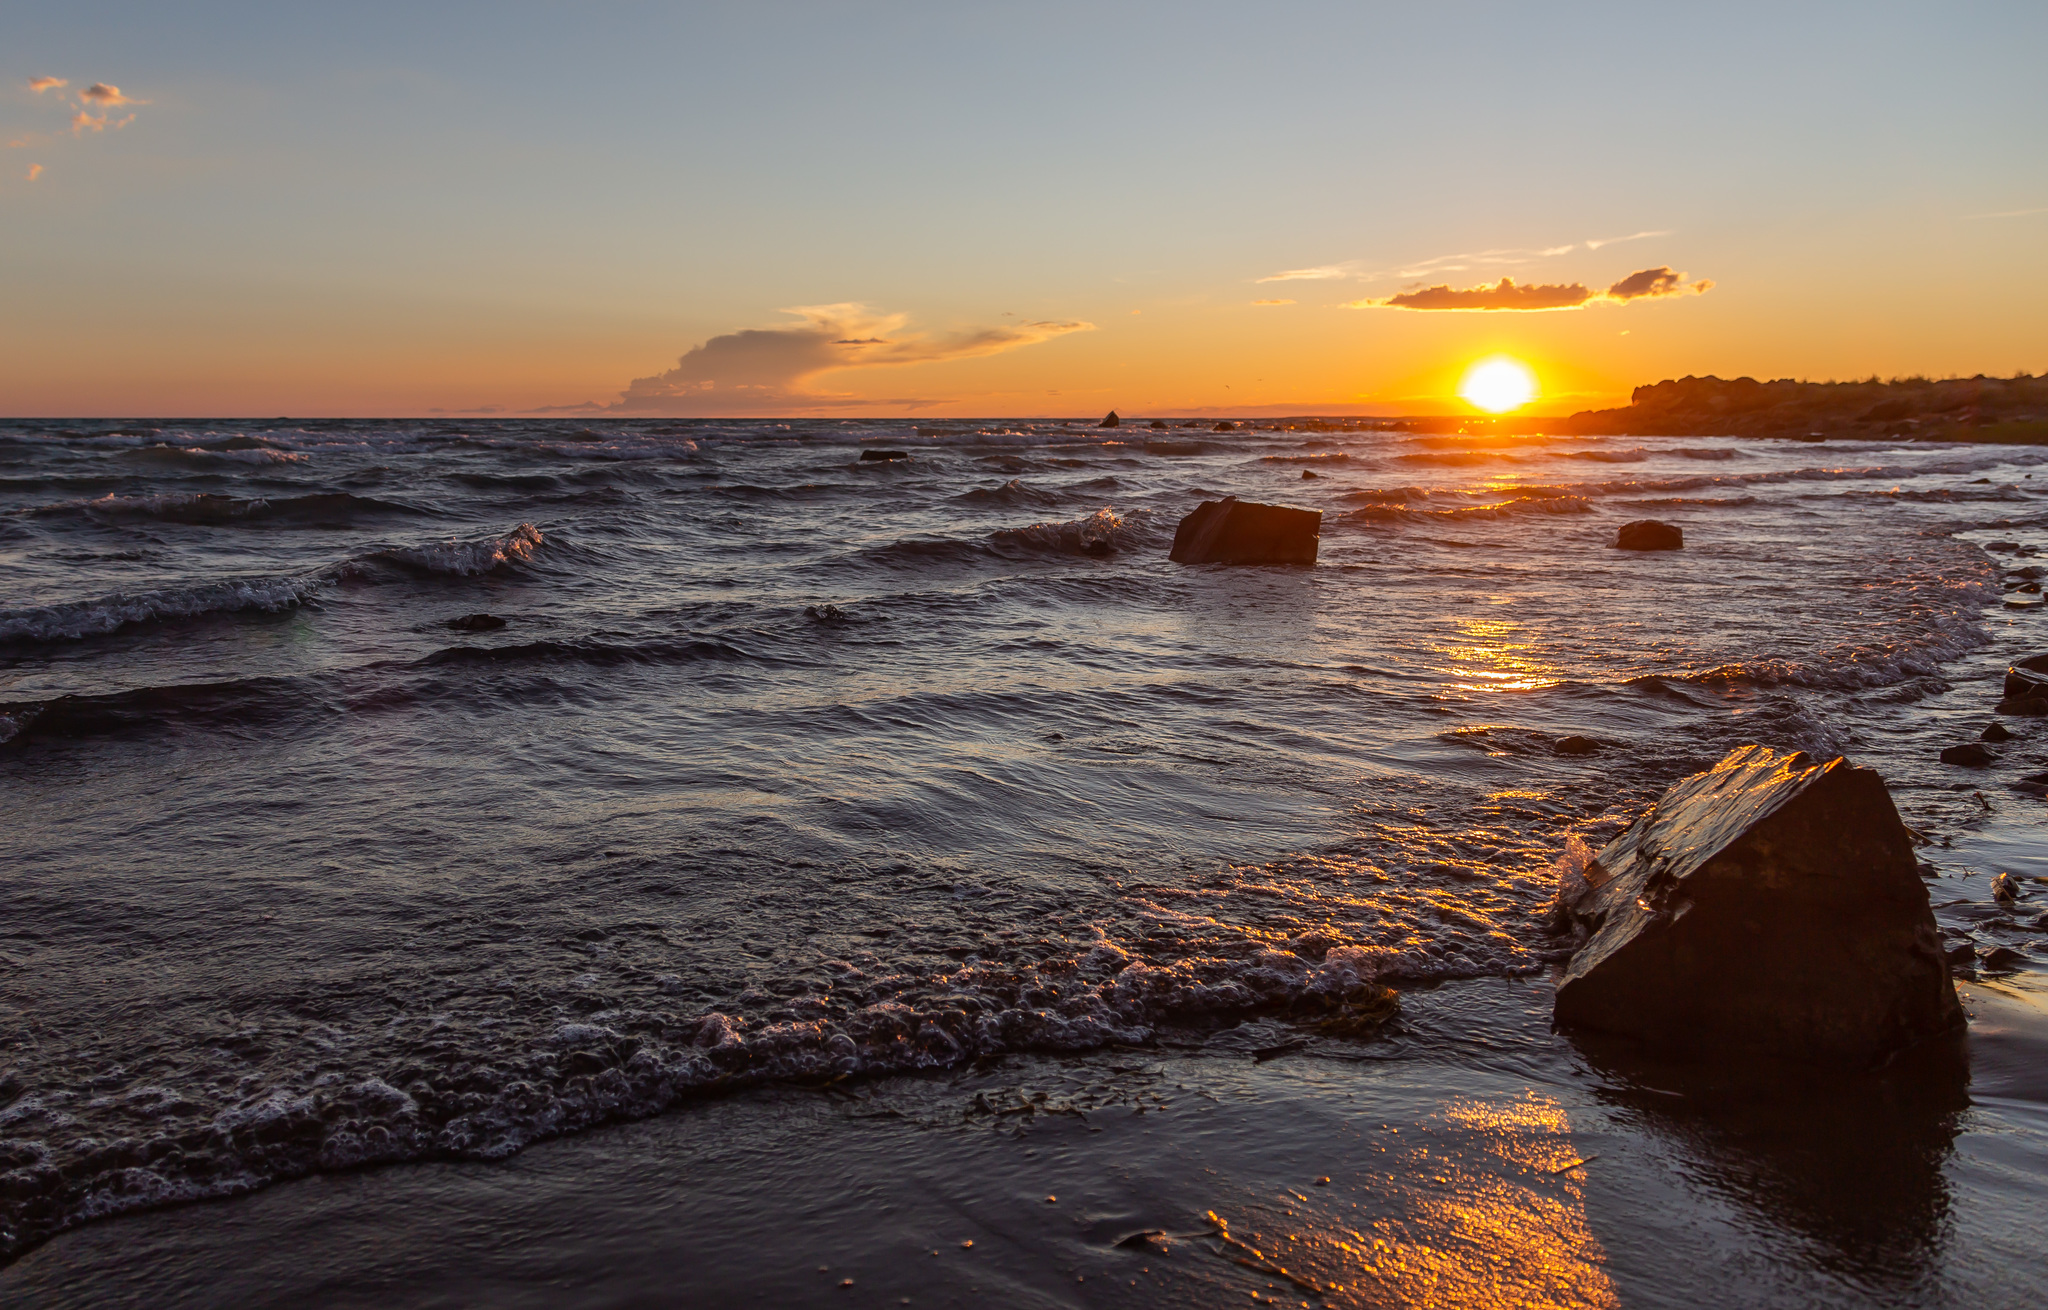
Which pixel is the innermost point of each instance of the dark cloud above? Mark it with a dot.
(1506, 294)
(759, 370)
(1651, 282)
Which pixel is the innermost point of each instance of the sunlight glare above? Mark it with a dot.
(1498, 385)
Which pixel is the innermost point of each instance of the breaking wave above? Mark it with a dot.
(73, 620)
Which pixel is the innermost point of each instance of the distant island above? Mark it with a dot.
(2010, 410)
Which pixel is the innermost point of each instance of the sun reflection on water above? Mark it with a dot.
(1496, 655)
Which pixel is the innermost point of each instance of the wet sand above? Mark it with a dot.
(1472, 1157)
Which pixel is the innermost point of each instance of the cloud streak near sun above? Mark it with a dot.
(767, 369)
(1645, 284)
(1359, 270)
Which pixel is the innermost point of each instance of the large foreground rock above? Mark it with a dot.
(1769, 905)
(1233, 531)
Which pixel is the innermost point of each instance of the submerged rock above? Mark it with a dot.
(1576, 745)
(1649, 534)
(879, 455)
(1110, 420)
(1233, 531)
(477, 623)
(2026, 707)
(2005, 889)
(1970, 755)
(1308, 474)
(2027, 677)
(1769, 905)
(1997, 732)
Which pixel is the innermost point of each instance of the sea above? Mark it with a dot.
(382, 799)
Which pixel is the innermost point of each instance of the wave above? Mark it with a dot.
(224, 452)
(74, 620)
(206, 507)
(1705, 452)
(1324, 457)
(464, 559)
(1013, 492)
(1516, 508)
(1635, 455)
(102, 615)
(1102, 533)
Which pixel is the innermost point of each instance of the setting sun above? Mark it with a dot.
(1498, 385)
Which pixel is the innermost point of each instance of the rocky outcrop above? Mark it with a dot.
(1970, 755)
(883, 456)
(1770, 905)
(477, 623)
(1110, 420)
(1233, 531)
(1649, 534)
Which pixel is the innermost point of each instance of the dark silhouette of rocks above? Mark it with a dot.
(1576, 745)
(2027, 677)
(1233, 531)
(1307, 474)
(477, 623)
(1997, 732)
(1982, 408)
(1649, 534)
(2005, 889)
(1970, 755)
(1225, 426)
(1110, 420)
(1156, 425)
(881, 455)
(2026, 707)
(1771, 905)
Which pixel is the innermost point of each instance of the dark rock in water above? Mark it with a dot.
(2027, 677)
(1576, 745)
(2034, 784)
(1996, 732)
(1769, 905)
(1225, 426)
(2005, 889)
(825, 613)
(1233, 531)
(2001, 959)
(1970, 755)
(884, 454)
(2001, 545)
(2031, 707)
(1307, 474)
(1156, 426)
(477, 623)
(1649, 534)
(1110, 420)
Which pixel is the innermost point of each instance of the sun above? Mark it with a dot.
(1498, 385)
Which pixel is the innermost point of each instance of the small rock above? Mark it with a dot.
(2001, 959)
(1970, 755)
(2027, 677)
(1997, 732)
(1649, 534)
(477, 623)
(1307, 474)
(1156, 425)
(878, 456)
(1225, 426)
(825, 613)
(1110, 420)
(2004, 889)
(2031, 707)
(2034, 784)
(1576, 745)
(2001, 545)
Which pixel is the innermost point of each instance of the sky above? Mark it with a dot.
(965, 209)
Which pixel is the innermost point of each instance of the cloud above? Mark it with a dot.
(34, 171)
(1272, 302)
(1507, 294)
(106, 96)
(1634, 236)
(1324, 273)
(766, 369)
(1650, 283)
(42, 84)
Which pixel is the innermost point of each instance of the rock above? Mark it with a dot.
(1156, 425)
(1649, 534)
(2027, 677)
(1576, 745)
(2005, 889)
(2034, 784)
(2029, 707)
(1307, 474)
(1996, 732)
(2001, 545)
(1970, 755)
(1110, 420)
(1769, 905)
(477, 623)
(1225, 426)
(879, 455)
(2001, 959)
(1233, 531)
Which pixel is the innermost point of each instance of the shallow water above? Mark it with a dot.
(788, 763)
